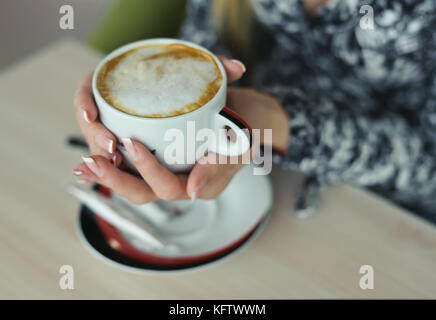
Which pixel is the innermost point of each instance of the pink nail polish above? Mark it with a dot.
(130, 148)
(93, 166)
(105, 143)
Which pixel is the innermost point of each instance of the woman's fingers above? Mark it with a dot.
(211, 175)
(100, 140)
(84, 100)
(116, 159)
(165, 184)
(99, 169)
(198, 179)
(83, 174)
(159, 182)
(234, 68)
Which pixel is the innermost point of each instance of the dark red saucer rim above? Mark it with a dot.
(119, 242)
(92, 234)
(109, 241)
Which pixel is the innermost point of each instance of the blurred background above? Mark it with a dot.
(26, 25)
(38, 227)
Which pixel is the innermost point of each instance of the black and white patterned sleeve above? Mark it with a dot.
(335, 146)
(428, 115)
(362, 104)
(198, 27)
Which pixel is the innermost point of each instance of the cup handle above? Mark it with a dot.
(228, 118)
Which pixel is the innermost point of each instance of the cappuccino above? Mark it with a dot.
(159, 80)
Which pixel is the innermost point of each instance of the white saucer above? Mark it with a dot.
(237, 217)
(215, 224)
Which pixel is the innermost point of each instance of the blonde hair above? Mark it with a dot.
(233, 21)
(236, 28)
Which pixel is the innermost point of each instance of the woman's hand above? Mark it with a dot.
(100, 140)
(260, 111)
(206, 180)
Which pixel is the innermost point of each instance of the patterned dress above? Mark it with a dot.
(361, 100)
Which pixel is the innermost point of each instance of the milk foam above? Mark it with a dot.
(150, 81)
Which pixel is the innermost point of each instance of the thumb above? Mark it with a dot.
(202, 173)
(234, 68)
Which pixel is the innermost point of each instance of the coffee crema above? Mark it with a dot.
(159, 80)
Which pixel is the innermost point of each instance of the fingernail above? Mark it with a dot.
(193, 196)
(240, 64)
(130, 148)
(77, 172)
(93, 166)
(114, 160)
(105, 143)
(86, 116)
(199, 190)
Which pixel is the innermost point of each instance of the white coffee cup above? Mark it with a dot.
(151, 131)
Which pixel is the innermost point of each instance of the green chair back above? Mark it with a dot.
(132, 20)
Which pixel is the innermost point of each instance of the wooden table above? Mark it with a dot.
(318, 257)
